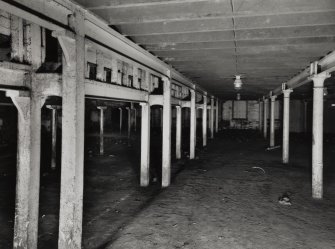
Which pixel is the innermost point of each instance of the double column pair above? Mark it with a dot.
(166, 138)
(286, 121)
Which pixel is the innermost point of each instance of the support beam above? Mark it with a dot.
(73, 120)
(178, 132)
(204, 122)
(272, 121)
(16, 28)
(135, 119)
(317, 144)
(193, 125)
(129, 121)
(21, 234)
(145, 145)
(161, 114)
(211, 118)
(54, 117)
(305, 115)
(265, 126)
(217, 116)
(101, 135)
(260, 115)
(120, 109)
(286, 125)
(28, 168)
(166, 147)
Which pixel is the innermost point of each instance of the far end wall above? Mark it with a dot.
(244, 114)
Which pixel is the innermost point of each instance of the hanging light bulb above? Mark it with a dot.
(238, 82)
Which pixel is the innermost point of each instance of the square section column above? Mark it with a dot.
(204, 122)
(166, 147)
(193, 125)
(317, 144)
(145, 145)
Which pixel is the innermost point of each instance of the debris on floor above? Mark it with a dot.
(285, 200)
(260, 168)
(273, 147)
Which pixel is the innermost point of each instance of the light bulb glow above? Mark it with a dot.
(238, 83)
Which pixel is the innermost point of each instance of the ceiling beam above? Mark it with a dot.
(226, 24)
(255, 34)
(182, 10)
(98, 4)
(245, 43)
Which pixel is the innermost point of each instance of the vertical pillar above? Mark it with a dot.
(37, 101)
(217, 116)
(317, 144)
(145, 144)
(129, 121)
(265, 126)
(73, 120)
(54, 110)
(102, 110)
(161, 112)
(192, 125)
(204, 122)
(305, 115)
(166, 148)
(135, 119)
(28, 168)
(211, 118)
(178, 132)
(286, 125)
(272, 121)
(260, 111)
(120, 109)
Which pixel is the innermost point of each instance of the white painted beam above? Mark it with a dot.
(317, 144)
(54, 120)
(265, 119)
(145, 145)
(100, 89)
(272, 121)
(178, 131)
(73, 119)
(193, 125)
(101, 135)
(166, 147)
(286, 125)
(211, 118)
(204, 122)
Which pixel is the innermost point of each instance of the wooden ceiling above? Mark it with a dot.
(210, 41)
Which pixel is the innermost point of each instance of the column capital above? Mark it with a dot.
(54, 107)
(318, 79)
(265, 99)
(102, 107)
(273, 98)
(287, 93)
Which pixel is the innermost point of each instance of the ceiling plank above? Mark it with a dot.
(226, 24)
(183, 10)
(246, 43)
(255, 34)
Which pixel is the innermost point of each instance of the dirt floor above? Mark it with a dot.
(216, 201)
